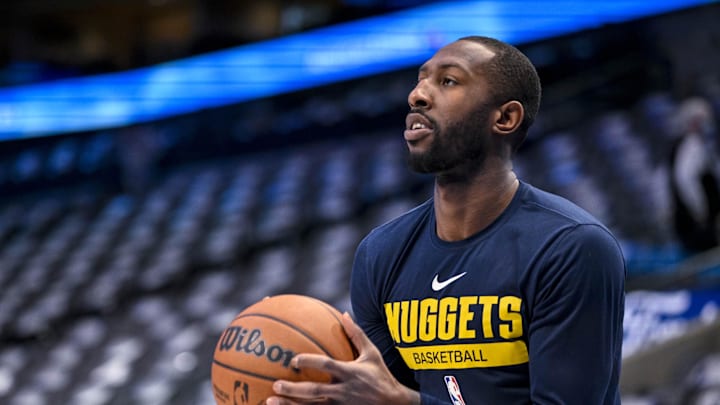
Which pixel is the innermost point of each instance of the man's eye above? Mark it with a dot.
(448, 82)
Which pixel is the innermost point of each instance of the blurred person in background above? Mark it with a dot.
(492, 291)
(695, 176)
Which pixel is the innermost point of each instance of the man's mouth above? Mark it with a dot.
(417, 127)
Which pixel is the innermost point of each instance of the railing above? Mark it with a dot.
(700, 270)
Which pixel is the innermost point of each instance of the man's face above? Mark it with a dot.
(449, 124)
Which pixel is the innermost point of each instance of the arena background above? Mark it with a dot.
(126, 246)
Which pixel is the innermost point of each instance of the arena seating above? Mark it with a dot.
(116, 298)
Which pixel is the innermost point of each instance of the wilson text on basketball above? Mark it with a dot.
(251, 342)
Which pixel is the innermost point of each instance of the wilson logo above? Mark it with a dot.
(239, 339)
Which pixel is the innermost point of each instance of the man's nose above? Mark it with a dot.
(419, 97)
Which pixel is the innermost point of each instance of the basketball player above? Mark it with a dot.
(492, 291)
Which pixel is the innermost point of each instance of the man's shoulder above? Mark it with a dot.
(557, 218)
(556, 207)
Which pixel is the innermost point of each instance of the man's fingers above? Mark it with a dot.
(288, 401)
(320, 362)
(303, 391)
(357, 336)
(306, 392)
(279, 401)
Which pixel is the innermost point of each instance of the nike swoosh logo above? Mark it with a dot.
(438, 285)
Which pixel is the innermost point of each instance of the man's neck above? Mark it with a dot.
(464, 208)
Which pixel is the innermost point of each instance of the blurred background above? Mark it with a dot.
(165, 163)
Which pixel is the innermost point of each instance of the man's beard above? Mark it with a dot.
(460, 149)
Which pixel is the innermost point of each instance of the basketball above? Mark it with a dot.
(256, 347)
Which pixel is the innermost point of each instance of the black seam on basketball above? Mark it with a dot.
(323, 304)
(272, 318)
(239, 370)
(330, 309)
(333, 312)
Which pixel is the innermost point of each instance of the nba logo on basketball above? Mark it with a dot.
(241, 390)
(454, 390)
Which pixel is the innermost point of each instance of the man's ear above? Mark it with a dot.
(509, 117)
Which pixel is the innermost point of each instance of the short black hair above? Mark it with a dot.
(513, 77)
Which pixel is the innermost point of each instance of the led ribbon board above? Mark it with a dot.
(346, 51)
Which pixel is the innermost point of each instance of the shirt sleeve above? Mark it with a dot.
(575, 328)
(368, 312)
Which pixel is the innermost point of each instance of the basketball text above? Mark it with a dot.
(458, 332)
(251, 342)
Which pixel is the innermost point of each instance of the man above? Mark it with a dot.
(695, 177)
(492, 291)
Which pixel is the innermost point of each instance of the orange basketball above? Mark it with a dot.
(257, 346)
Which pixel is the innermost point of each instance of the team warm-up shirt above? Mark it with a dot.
(529, 310)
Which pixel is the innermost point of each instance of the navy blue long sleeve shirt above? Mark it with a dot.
(529, 310)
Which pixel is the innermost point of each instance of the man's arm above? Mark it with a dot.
(575, 326)
(369, 316)
(367, 311)
(365, 380)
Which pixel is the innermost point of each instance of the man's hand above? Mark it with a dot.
(365, 380)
